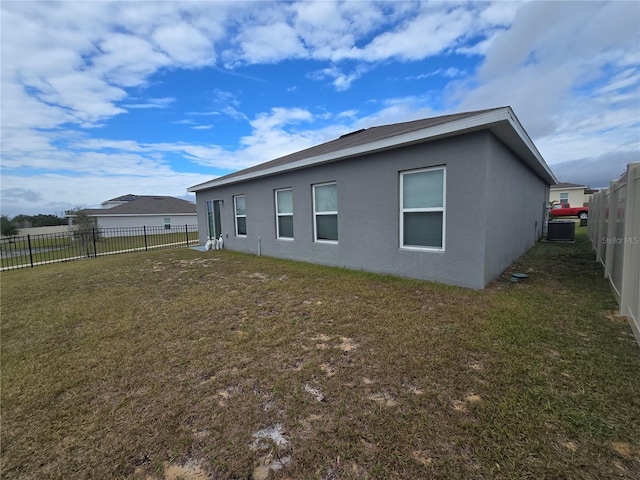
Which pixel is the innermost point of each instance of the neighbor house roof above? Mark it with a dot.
(146, 205)
(122, 198)
(501, 121)
(568, 186)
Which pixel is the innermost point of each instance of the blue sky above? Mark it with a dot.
(101, 99)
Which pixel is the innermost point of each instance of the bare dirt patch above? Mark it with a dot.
(328, 369)
(473, 398)
(383, 398)
(625, 449)
(268, 464)
(476, 365)
(189, 471)
(315, 392)
(273, 433)
(347, 344)
(414, 389)
(422, 457)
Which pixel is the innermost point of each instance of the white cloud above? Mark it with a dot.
(270, 43)
(151, 103)
(56, 193)
(341, 81)
(347, 114)
(574, 83)
(21, 195)
(434, 31)
(595, 172)
(450, 72)
(185, 44)
(225, 97)
(233, 113)
(279, 117)
(128, 60)
(395, 110)
(330, 29)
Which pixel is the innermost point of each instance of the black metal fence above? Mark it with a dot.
(33, 250)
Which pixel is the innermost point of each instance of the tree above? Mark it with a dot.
(43, 220)
(8, 228)
(85, 229)
(40, 220)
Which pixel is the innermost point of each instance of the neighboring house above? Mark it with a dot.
(453, 199)
(571, 193)
(144, 210)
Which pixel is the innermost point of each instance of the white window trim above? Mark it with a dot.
(236, 216)
(167, 224)
(442, 209)
(315, 213)
(278, 214)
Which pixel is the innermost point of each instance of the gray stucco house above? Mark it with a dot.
(453, 199)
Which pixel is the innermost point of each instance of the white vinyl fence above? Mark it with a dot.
(614, 231)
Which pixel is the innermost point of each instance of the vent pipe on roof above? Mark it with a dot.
(352, 133)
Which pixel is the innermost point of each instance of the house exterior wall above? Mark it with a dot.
(146, 221)
(515, 210)
(369, 212)
(577, 197)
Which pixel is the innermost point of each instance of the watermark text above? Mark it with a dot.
(619, 240)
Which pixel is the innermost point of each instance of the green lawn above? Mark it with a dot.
(185, 364)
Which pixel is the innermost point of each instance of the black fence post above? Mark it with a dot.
(95, 247)
(30, 251)
(144, 231)
(186, 233)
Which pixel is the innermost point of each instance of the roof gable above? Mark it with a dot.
(501, 121)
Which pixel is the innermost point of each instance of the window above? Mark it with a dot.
(284, 214)
(167, 223)
(241, 215)
(325, 212)
(422, 206)
(564, 198)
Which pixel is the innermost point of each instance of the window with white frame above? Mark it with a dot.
(284, 214)
(325, 212)
(240, 212)
(422, 208)
(167, 223)
(564, 198)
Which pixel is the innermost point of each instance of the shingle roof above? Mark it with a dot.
(123, 198)
(358, 143)
(359, 137)
(147, 205)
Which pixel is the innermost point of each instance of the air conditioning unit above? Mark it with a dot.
(561, 231)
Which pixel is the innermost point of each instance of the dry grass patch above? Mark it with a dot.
(220, 365)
